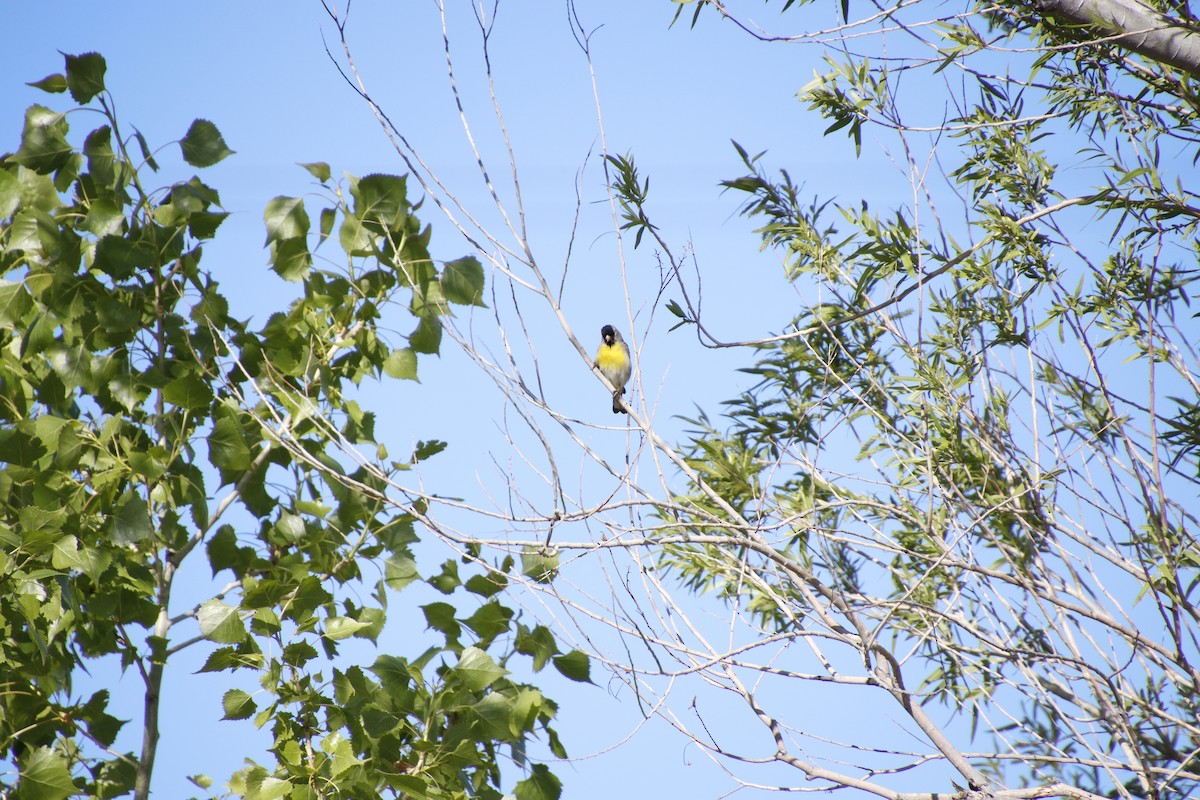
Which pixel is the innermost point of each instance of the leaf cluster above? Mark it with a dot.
(132, 397)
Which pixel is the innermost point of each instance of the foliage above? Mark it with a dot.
(973, 467)
(131, 397)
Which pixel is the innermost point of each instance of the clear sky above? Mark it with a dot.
(673, 97)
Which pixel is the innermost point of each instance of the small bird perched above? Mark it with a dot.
(612, 359)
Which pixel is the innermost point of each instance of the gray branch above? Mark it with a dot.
(1142, 29)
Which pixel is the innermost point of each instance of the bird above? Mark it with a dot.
(612, 359)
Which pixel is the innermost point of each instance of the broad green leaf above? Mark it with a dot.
(477, 669)
(574, 665)
(203, 145)
(427, 449)
(45, 776)
(427, 338)
(290, 258)
(486, 585)
(462, 282)
(340, 749)
(188, 391)
(298, 653)
(440, 617)
(35, 520)
(338, 628)
(540, 565)
(401, 364)
(377, 722)
(201, 781)
(44, 146)
(120, 258)
(269, 788)
(307, 597)
(328, 217)
(18, 447)
(85, 76)
(319, 170)
(447, 580)
(381, 197)
(10, 193)
(68, 554)
(399, 571)
(104, 218)
(15, 302)
(223, 550)
(227, 448)
(54, 84)
(393, 672)
(131, 520)
(238, 704)
(496, 711)
(290, 527)
(221, 623)
(490, 620)
(286, 219)
(540, 785)
(354, 237)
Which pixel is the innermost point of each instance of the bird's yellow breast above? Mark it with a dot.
(611, 358)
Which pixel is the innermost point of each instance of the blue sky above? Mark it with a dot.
(673, 97)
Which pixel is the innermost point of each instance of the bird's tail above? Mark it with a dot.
(617, 409)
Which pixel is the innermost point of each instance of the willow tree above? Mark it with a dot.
(964, 486)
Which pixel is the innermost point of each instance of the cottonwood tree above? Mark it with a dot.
(155, 445)
(964, 486)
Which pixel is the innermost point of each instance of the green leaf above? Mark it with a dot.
(10, 193)
(540, 565)
(54, 84)
(15, 302)
(67, 554)
(490, 620)
(319, 170)
(477, 669)
(574, 665)
(354, 237)
(540, 785)
(427, 338)
(447, 580)
(286, 219)
(188, 391)
(45, 776)
(462, 282)
(496, 710)
(377, 722)
(44, 146)
(486, 585)
(238, 705)
(227, 448)
(440, 617)
(85, 76)
(131, 520)
(382, 198)
(399, 571)
(203, 145)
(427, 449)
(338, 628)
(340, 749)
(290, 258)
(220, 623)
(401, 364)
(393, 672)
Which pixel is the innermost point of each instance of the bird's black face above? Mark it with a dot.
(608, 334)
